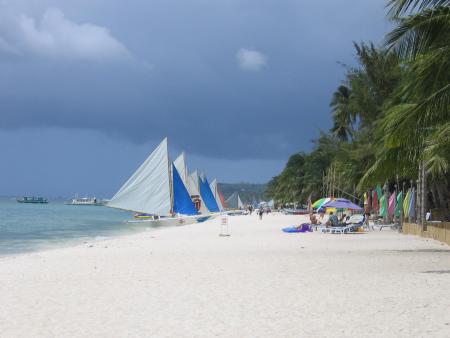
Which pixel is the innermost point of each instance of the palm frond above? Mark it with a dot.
(417, 33)
(436, 154)
(401, 7)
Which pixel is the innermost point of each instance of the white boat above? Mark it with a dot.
(157, 193)
(85, 201)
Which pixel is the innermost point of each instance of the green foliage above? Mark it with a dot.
(248, 192)
(302, 176)
(391, 112)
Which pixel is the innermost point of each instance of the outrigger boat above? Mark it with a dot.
(32, 200)
(157, 194)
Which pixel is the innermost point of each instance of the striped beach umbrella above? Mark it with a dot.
(317, 204)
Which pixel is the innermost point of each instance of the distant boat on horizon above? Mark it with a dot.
(32, 200)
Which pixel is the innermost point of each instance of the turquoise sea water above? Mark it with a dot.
(32, 227)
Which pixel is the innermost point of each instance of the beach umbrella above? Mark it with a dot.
(319, 202)
(341, 203)
(322, 201)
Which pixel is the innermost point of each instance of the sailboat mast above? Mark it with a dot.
(169, 170)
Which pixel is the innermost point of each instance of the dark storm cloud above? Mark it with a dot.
(224, 79)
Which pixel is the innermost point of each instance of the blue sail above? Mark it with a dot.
(208, 196)
(182, 203)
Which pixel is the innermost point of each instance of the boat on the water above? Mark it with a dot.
(85, 201)
(33, 200)
(157, 194)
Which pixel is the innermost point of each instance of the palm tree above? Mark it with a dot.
(343, 117)
(422, 39)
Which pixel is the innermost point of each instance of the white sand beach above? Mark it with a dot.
(259, 282)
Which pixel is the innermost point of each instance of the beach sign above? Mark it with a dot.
(224, 226)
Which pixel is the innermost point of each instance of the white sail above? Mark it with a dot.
(148, 189)
(180, 164)
(234, 201)
(193, 184)
(193, 188)
(215, 191)
(240, 204)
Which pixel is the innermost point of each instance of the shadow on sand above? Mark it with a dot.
(425, 250)
(439, 272)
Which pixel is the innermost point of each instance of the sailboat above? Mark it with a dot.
(234, 201)
(199, 187)
(191, 183)
(207, 195)
(218, 195)
(156, 192)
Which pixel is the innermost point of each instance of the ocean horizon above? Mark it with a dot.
(35, 227)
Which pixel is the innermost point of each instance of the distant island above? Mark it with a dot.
(248, 192)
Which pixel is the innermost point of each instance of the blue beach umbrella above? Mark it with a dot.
(341, 203)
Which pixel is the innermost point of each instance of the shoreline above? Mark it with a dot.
(84, 241)
(187, 281)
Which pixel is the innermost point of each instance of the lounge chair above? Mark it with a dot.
(352, 225)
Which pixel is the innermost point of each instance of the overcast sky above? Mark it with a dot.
(88, 88)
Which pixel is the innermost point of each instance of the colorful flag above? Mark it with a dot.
(375, 201)
(379, 192)
(412, 204)
(406, 203)
(383, 206)
(399, 204)
(391, 207)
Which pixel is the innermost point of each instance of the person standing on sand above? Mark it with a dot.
(260, 213)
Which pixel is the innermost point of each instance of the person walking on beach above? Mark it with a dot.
(260, 213)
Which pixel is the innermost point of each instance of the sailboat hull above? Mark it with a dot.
(172, 221)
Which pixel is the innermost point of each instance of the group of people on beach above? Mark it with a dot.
(259, 211)
(331, 221)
